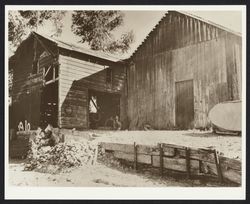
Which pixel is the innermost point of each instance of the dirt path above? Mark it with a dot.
(98, 175)
(88, 176)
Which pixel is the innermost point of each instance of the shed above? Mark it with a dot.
(64, 85)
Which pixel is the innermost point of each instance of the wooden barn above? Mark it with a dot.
(64, 85)
(182, 69)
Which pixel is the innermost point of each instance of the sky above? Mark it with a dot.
(142, 22)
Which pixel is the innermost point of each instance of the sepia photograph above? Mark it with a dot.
(125, 97)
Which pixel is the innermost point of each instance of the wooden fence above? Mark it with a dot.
(192, 161)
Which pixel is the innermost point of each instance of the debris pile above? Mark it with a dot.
(62, 155)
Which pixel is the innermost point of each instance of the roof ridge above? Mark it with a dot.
(78, 48)
(190, 15)
(210, 22)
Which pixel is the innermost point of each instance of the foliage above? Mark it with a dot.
(97, 29)
(23, 21)
(94, 27)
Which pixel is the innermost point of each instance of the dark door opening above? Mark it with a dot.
(102, 107)
(49, 105)
(184, 108)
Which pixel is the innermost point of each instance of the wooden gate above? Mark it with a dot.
(184, 108)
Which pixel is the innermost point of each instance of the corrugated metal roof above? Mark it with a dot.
(77, 48)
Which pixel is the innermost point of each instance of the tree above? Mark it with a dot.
(94, 27)
(21, 23)
(97, 29)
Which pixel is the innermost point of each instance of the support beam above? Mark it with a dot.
(47, 71)
(188, 162)
(135, 156)
(161, 160)
(218, 166)
(51, 81)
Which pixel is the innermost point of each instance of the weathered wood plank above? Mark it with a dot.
(228, 163)
(79, 62)
(200, 160)
(73, 70)
(197, 154)
(145, 159)
(129, 148)
(146, 149)
(232, 175)
(176, 164)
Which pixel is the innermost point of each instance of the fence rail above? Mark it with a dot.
(192, 161)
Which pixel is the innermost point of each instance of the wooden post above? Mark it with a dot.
(188, 162)
(135, 156)
(218, 167)
(95, 156)
(200, 166)
(161, 160)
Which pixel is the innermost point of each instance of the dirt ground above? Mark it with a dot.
(99, 175)
(103, 175)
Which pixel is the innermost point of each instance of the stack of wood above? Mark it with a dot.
(62, 155)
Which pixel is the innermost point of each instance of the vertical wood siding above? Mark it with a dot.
(182, 48)
(26, 90)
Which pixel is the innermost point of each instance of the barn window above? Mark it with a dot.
(109, 75)
(93, 104)
(51, 73)
(48, 73)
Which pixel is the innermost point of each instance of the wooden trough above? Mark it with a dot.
(201, 162)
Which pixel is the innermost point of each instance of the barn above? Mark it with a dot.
(64, 85)
(184, 67)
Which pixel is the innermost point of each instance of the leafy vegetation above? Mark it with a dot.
(96, 28)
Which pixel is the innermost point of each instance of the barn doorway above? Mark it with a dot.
(49, 105)
(184, 104)
(103, 106)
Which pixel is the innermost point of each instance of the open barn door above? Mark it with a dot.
(49, 105)
(184, 107)
(103, 107)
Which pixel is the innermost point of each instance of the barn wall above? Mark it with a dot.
(182, 48)
(26, 89)
(76, 77)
